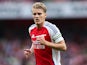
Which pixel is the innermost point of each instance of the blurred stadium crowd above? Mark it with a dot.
(14, 38)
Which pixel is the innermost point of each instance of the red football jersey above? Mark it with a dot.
(44, 54)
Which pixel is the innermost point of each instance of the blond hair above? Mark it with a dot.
(39, 5)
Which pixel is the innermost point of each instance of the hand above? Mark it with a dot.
(27, 53)
(41, 40)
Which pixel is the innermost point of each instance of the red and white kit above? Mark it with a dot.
(44, 54)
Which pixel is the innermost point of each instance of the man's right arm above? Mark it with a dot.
(32, 48)
(28, 52)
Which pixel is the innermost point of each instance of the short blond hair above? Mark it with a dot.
(39, 5)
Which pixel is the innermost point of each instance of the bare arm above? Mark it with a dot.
(32, 49)
(58, 46)
(28, 52)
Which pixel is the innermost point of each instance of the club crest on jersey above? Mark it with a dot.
(33, 36)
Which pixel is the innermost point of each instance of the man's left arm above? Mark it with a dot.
(58, 46)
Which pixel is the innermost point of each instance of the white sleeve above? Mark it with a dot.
(31, 27)
(56, 35)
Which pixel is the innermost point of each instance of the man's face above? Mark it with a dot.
(39, 16)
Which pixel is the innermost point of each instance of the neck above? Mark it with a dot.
(39, 25)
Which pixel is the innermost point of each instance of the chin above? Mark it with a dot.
(38, 23)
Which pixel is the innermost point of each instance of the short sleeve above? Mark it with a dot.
(31, 27)
(56, 35)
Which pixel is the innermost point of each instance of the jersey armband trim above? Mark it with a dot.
(59, 39)
(56, 36)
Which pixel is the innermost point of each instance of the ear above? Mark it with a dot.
(45, 15)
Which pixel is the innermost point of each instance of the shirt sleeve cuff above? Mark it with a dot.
(59, 39)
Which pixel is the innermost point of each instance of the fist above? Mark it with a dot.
(27, 53)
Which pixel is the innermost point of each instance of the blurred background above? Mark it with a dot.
(15, 17)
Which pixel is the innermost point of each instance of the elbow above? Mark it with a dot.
(64, 48)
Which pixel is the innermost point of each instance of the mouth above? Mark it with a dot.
(37, 20)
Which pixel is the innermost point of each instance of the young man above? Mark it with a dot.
(47, 41)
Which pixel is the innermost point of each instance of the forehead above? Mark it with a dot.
(37, 10)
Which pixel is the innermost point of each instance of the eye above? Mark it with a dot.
(39, 13)
(34, 13)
